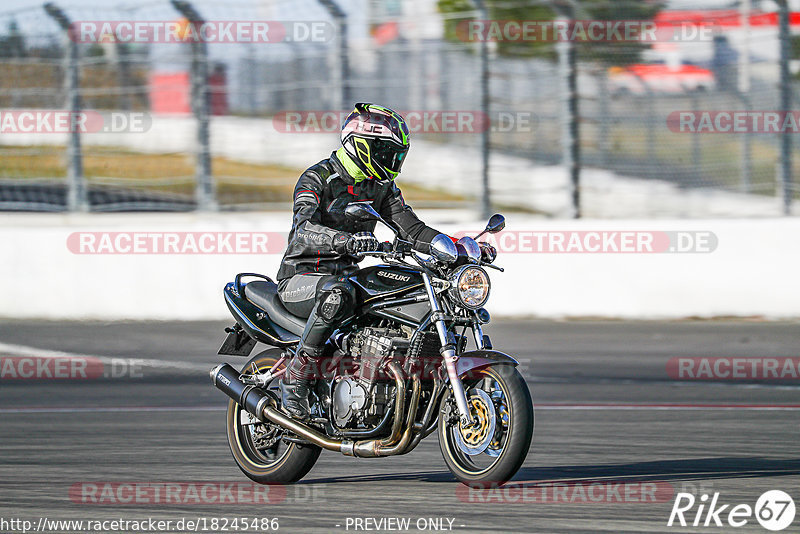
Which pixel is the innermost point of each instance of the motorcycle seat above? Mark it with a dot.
(264, 294)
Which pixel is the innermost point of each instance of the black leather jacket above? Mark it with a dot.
(320, 227)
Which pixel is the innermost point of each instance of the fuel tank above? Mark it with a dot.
(381, 281)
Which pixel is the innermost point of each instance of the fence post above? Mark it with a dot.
(344, 51)
(205, 191)
(77, 195)
(785, 106)
(571, 130)
(486, 200)
(124, 74)
(604, 128)
(744, 93)
(652, 155)
(697, 152)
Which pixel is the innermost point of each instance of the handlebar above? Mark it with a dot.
(401, 249)
(387, 247)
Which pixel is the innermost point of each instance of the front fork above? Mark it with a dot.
(449, 353)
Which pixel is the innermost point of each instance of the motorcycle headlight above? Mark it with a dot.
(469, 286)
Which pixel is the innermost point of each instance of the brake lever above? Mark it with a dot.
(493, 267)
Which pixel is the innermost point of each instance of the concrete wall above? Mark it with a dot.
(748, 268)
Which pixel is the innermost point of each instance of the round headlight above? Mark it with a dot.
(469, 286)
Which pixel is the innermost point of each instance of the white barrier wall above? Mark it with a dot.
(752, 270)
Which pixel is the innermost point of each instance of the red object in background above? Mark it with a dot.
(648, 70)
(170, 92)
(724, 18)
(385, 33)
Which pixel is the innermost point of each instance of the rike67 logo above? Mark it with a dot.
(774, 510)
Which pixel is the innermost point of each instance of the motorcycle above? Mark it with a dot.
(392, 374)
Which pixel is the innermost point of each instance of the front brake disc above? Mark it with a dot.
(474, 439)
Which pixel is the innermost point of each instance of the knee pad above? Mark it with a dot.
(336, 300)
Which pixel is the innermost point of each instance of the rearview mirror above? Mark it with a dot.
(496, 223)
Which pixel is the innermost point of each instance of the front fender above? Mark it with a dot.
(480, 359)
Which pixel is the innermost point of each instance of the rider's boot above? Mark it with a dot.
(299, 379)
(296, 386)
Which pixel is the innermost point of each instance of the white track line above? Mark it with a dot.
(669, 407)
(110, 409)
(569, 407)
(7, 349)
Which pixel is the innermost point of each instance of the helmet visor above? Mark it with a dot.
(389, 155)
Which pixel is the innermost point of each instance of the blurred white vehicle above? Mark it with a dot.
(642, 78)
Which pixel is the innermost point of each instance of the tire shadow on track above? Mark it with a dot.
(658, 470)
(683, 469)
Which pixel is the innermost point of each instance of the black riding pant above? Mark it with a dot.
(326, 300)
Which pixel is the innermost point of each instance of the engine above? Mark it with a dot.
(361, 399)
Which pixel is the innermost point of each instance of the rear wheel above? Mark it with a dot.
(257, 447)
(493, 450)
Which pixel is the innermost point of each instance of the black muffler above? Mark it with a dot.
(249, 397)
(261, 405)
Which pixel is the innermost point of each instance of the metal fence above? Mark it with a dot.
(198, 103)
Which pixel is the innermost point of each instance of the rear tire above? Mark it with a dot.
(283, 464)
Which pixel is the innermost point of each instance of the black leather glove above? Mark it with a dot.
(488, 252)
(362, 242)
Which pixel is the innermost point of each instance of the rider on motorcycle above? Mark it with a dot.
(324, 245)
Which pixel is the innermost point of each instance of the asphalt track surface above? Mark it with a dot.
(608, 417)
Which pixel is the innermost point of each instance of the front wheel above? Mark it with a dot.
(493, 450)
(257, 447)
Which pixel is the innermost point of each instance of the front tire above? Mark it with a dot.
(468, 456)
(278, 464)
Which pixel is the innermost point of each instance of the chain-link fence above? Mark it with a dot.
(227, 120)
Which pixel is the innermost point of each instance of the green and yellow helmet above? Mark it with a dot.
(376, 139)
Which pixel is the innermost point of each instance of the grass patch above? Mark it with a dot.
(237, 182)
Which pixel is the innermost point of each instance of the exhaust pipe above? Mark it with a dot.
(261, 405)
(391, 447)
(226, 378)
